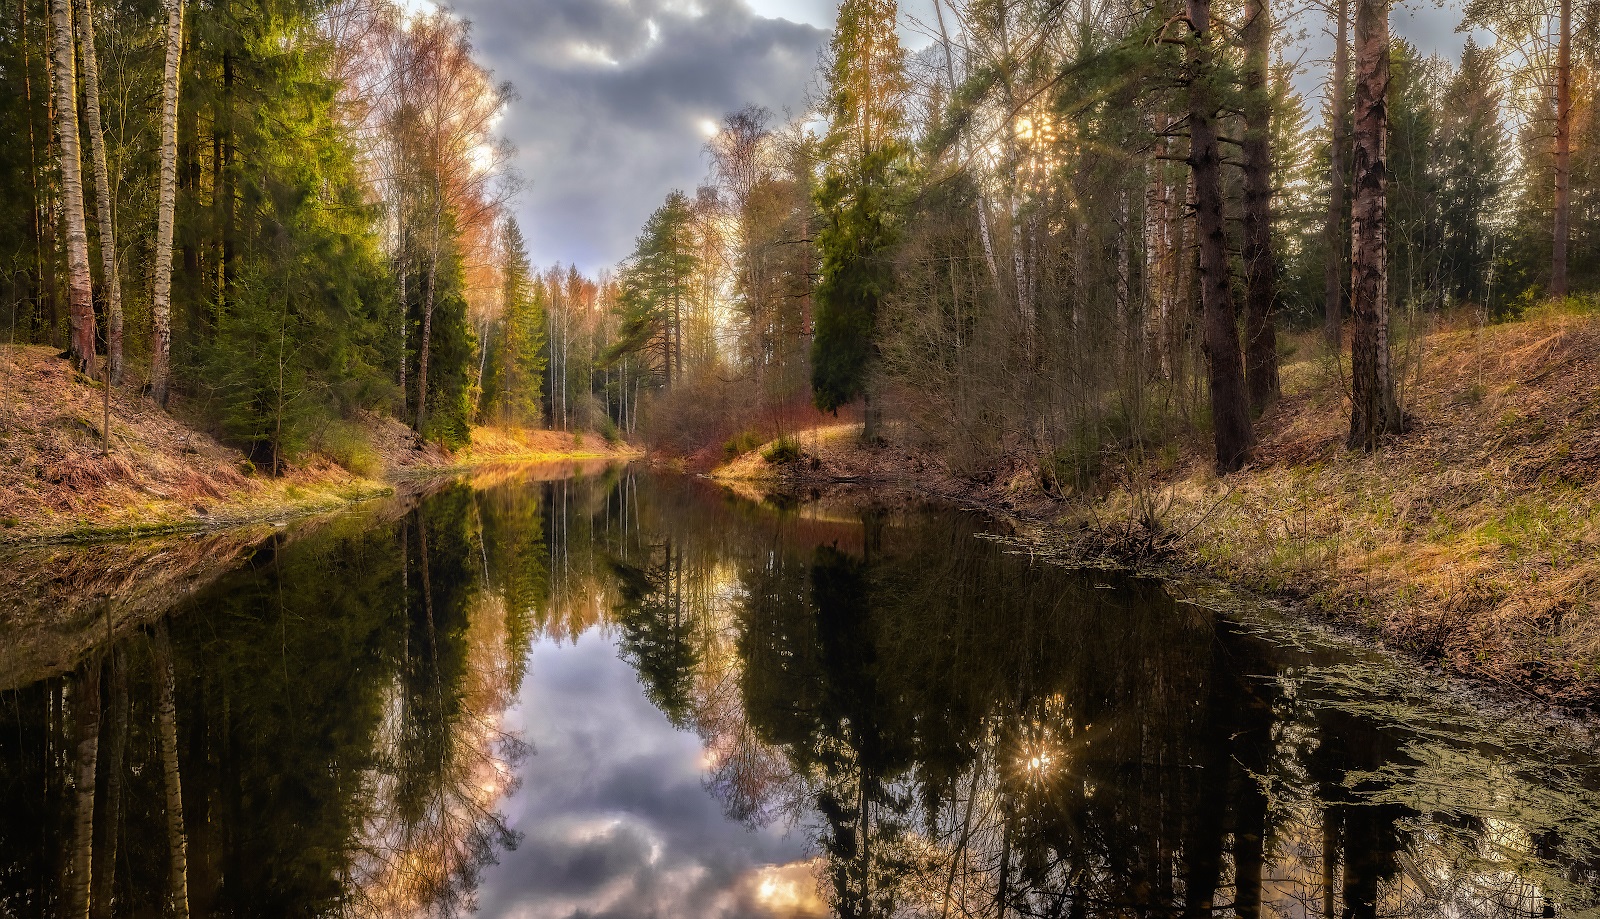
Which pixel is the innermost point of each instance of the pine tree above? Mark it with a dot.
(1473, 159)
(864, 153)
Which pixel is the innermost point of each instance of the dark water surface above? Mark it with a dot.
(627, 696)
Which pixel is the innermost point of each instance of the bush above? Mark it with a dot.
(783, 452)
(345, 444)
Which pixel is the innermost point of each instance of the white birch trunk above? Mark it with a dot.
(111, 278)
(80, 292)
(166, 204)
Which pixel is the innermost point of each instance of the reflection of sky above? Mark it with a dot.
(614, 817)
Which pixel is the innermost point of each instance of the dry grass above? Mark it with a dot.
(162, 475)
(1471, 540)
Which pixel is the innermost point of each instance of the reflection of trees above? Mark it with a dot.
(319, 736)
(966, 734)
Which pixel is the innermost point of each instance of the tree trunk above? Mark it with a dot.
(161, 281)
(80, 292)
(1374, 410)
(167, 718)
(105, 874)
(427, 324)
(1563, 203)
(1230, 411)
(111, 278)
(1261, 270)
(1333, 231)
(86, 724)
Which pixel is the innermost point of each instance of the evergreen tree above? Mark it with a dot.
(512, 384)
(656, 286)
(1472, 153)
(864, 153)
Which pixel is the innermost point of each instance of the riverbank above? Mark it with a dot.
(1472, 542)
(58, 483)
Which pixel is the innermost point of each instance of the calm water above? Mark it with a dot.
(624, 696)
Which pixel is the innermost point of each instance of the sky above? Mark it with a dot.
(615, 96)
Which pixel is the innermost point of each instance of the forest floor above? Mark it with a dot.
(162, 475)
(1472, 541)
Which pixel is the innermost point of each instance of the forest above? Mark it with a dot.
(1059, 231)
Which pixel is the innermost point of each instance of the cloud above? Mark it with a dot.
(612, 96)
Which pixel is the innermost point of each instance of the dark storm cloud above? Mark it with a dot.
(616, 822)
(612, 95)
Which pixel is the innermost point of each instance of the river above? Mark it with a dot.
(617, 694)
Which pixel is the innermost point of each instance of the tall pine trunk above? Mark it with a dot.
(166, 204)
(80, 290)
(86, 725)
(1261, 271)
(1230, 409)
(1333, 231)
(167, 725)
(1563, 203)
(1374, 409)
(111, 278)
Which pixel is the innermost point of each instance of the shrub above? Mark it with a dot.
(783, 452)
(344, 443)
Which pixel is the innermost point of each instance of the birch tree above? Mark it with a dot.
(80, 290)
(110, 276)
(1375, 410)
(166, 204)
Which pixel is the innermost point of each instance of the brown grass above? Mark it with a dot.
(1471, 540)
(162, 475)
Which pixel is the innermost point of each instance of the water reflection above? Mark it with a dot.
(877, 715)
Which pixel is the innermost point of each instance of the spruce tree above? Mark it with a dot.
(864, 155)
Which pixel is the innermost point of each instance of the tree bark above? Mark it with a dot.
(1333, 231)
(167, 718)
(1230, 412)
(1563, 202)
(111, 278)
(1261, 270)
(161, 281)
(80, 291)
(1374, 410)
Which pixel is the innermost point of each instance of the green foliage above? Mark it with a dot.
(857, 198)
(783, 452)
(514, 370)
(655, 283)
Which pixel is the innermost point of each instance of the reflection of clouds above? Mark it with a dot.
(615, 818)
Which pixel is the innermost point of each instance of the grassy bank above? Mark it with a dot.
(161, 475)
(1472, 541)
